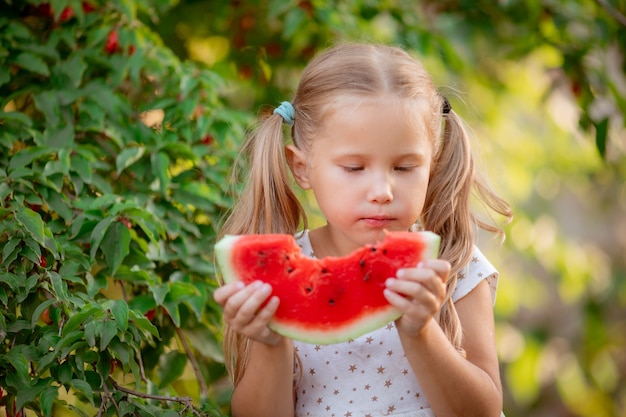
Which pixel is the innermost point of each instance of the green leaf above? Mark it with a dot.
(60, 137)
(32, 63)
(17, 30)
(90, 333)
(60, 288)
(16, 116)
(26, 156)
(116, 245)
(30, 393)
(74, 68)
(172, 365)
(98, 234)
(293, 22)
(79, 317)
(48, 104)
(32, 222)
(106, 330)
(46, 398)
(601, 136)
(128, 156)
(84, 388)
(9, 247)
(142, 323)
(160, 166)
(119, 309)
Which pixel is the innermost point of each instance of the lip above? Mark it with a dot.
(377, 221)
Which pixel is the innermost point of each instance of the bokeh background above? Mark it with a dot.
(541, 83)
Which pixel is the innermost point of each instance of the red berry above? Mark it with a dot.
(131, 50)
(112, 42)
(149, 314)
(45, 316)
(207, 140)
(42, 261)
(126, 222)
(66, 14)
(88, 7)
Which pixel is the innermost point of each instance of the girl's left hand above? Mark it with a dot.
(419, 294)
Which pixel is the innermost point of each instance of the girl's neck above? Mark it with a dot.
(322, 243)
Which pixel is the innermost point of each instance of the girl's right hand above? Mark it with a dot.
(243, 312)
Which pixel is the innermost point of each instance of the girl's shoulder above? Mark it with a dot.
(478, 269)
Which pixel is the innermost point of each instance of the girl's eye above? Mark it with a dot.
(403, 168)
(352, 168)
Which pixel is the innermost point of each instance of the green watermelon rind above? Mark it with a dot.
(223, 249)
(359, 327)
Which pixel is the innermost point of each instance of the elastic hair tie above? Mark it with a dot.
(445, 109)
(286, 110)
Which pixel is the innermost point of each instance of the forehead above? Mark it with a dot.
(373, 111)
(384, 125)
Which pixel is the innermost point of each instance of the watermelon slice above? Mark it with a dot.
(328, 300)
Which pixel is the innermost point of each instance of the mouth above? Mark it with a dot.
(377, 221)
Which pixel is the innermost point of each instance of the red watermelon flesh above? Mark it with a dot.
(328, 300)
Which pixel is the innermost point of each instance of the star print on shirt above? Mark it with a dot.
(370, 375)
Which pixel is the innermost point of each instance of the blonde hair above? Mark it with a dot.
(269, 205)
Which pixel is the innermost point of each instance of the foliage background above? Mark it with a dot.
(541, 82)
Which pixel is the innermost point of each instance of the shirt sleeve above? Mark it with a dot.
(478, 269)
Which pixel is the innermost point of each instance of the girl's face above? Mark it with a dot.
(368, 168)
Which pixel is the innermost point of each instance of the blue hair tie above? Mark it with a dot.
(286, 110)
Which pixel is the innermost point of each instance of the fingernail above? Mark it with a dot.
(389, 282)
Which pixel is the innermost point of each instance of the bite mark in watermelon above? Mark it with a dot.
(328, 300)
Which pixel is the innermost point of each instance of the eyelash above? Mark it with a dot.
(357, 169)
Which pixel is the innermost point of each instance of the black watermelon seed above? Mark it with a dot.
(331, 302)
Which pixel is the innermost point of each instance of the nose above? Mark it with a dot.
(381, 190)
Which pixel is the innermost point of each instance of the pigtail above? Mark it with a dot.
(448, 210)
(267, 204)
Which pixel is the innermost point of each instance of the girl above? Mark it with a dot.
(380, 149)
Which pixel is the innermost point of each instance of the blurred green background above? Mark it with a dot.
(541, 83)
(543, 86)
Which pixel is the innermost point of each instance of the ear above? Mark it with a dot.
(296, 159)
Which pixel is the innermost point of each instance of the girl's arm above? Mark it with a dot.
(453, 385)
(266, 388)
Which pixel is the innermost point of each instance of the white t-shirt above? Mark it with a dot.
(370, 376)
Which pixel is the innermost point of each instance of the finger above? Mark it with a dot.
(221, 294)
(405, 295)
(258, 328)
(414, 281)
(439, 266)
(242, 307)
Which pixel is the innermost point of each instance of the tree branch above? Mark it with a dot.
(186, 401)
(194, 363)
